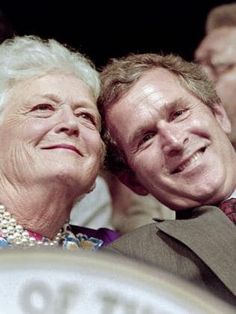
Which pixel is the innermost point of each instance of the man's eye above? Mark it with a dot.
(146, 137)
(42, 107)
(177, 113)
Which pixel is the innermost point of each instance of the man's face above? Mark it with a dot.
(173, 142)
(217, 55)
(49, 132)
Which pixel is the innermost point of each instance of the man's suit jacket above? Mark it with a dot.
(200, 249)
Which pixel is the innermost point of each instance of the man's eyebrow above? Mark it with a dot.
(175, 103)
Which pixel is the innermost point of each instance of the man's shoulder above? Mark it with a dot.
(163, 234)
(143, 233)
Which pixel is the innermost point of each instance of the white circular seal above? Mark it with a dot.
(53, 281)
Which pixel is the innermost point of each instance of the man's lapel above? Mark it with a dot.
(212, 236)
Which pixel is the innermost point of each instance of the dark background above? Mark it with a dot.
(102, 29)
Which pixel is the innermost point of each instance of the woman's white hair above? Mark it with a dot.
(27, 57)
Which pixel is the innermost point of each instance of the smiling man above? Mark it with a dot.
(166, 134)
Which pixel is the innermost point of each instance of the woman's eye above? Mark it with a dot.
(42, 107)
(87, 116)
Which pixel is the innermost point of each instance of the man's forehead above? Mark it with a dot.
(150, 80)
(147, 88)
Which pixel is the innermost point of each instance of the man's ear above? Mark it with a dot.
(130, 180)
(222, 117)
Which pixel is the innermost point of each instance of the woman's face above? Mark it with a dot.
(50, 131)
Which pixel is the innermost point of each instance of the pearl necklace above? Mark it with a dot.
(16, 236)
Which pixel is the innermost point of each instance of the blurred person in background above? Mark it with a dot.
(216, 53)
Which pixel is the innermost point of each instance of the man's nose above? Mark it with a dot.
(172, 138)
(68, 122)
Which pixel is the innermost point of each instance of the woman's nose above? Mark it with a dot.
(68, 122)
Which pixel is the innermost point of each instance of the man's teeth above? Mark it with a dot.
(190, 161)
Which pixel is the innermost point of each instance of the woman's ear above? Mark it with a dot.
(130, 180)
(222, 117)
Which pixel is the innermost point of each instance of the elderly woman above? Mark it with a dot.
(51, 149)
